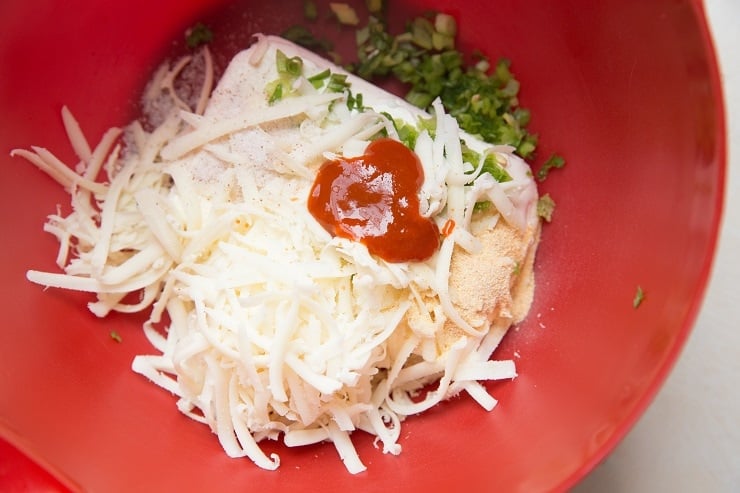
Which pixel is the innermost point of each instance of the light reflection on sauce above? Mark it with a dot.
(373, 199)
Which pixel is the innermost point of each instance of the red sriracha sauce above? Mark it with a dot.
(373, 199)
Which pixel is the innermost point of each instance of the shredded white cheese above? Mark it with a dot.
(276, 328)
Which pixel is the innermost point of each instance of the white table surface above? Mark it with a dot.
(689, 438)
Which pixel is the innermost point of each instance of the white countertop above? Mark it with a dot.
(689, 438)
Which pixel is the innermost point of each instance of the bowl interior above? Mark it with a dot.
(628, 91)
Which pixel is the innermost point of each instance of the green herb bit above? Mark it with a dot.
(300, 35)
(445, 24)
(337, 83)
(527, 145)
(406, 133)
(114, 335)
(335, 57)
(428, 124)
(469, 155)
(345, 14)
(445, 30)
(199, 34)
(442, 41)
(420, 99)
(639, 297)
(374, 6)
(545, 207)
(354, 102)
(555, 161)
(310, 11)
(319, 79)
(492, 166)
(482, 206)
(291, 67)
(274, 91)
(375, 50)
(421, 32)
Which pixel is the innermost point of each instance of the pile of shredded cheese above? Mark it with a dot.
(274, 328)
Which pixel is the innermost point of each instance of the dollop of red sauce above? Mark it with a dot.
(373, 199)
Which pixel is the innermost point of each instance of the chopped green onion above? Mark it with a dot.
(492, 166)
(374, 6)
(419, 98)
(445, 24)
(274, 91)
(482, 206)
(345, 14)
(428, 124)
(115, 336)
(337, 83)
(527, 145)
(300, 35)
(555, 161)
(545, 207)
(421, 32)
(354, 102)
(442, 41)
(198, 35)
(406, 133)
(310, 11)
(639, 297)
(318, 80)
(291, 67)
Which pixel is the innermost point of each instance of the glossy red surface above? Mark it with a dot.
(386, 221)
(627, 90)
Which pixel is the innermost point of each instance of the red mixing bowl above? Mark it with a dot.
(627, 90)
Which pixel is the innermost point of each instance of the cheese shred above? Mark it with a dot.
(264, 325)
